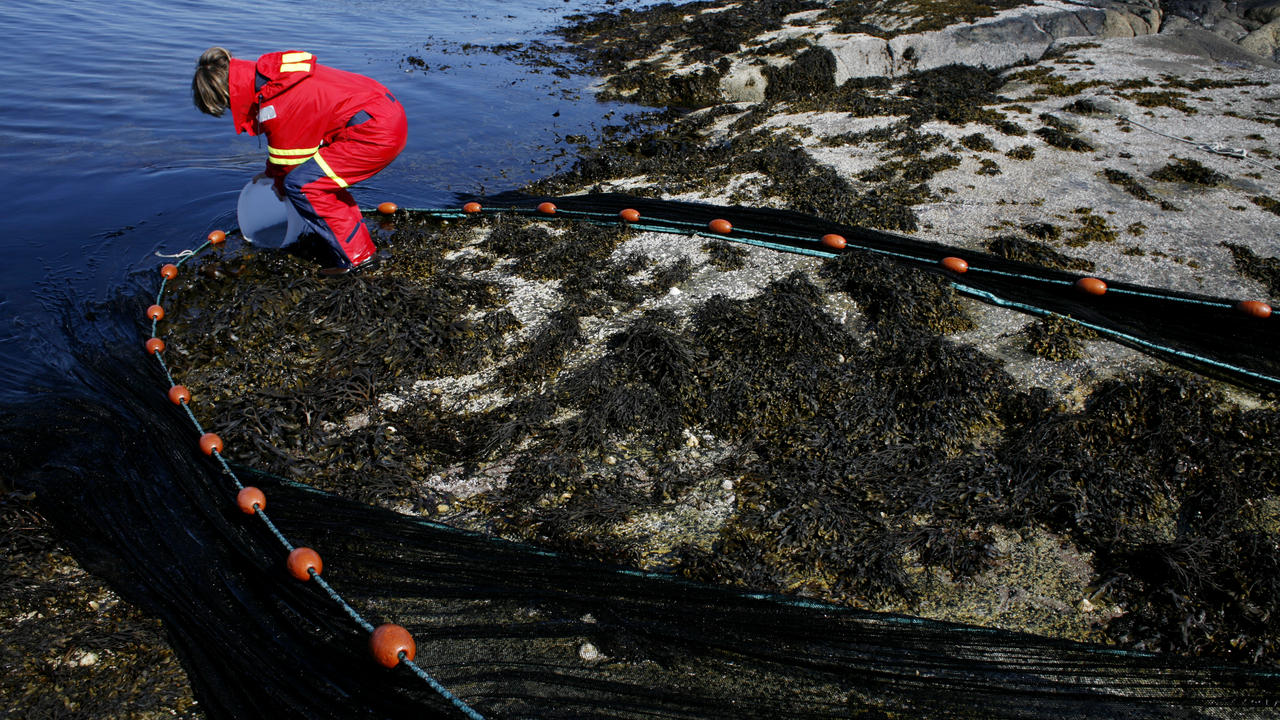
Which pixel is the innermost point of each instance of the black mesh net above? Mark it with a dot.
(519, 632)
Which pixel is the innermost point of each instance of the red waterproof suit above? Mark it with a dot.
(326, 129)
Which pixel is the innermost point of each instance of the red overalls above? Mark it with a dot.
(326, 129)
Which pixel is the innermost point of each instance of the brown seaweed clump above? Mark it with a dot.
(1057, 338)
(1131, 185)
(1036, 253)
(1265, 270)
(1190, 171)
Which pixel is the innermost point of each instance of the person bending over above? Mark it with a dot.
(327, 129)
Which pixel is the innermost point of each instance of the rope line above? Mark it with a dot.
(261, 514)
(739, 236)
(1215, 148)
(997, 300)
(368, 627)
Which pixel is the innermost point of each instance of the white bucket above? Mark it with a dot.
(266, 220)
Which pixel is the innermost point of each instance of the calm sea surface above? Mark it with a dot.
(106, 161)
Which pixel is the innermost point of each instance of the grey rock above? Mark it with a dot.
(1264, 12)
(1265, 41)
(1014, 36)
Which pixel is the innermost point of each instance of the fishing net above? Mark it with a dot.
(516, 631)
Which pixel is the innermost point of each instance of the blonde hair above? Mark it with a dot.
(209, 89)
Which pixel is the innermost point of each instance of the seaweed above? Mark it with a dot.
(811, 73)
(1267, 203)
(1022, 152)
(977, 142)
(1135, 188)
(1092, 229)
(726, 256)
(1265, 270)
(1063, 140)
(1029, 251)
(1057, 338)
(1187, 170)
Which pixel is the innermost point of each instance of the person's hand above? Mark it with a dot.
(274, 185)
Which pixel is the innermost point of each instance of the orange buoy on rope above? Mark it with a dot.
(471, 207)
(217, 237)
(210, 443)
(1254, 308)
(155, 345)
(388, 641)
(719, 225)
(387, 208)
(547, 208)
(1091, 286)
(955, 264)
(179, 394)
(630, 215)
(302, 561)
(248, 497)
(834, 241)
(155, 312)
(169, 271)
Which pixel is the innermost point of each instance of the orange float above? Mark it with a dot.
(1254, 308)
(248, 497)
(955, 264)
(217, 237)
(1091, 286)
(210, 443)
(719, 225)
(155, 312)
(179, 394)
(155, 345)
(471, 207)
(387, 208)
(388, 641)
(302, 561)
(630, 215)
(169, 271)
(834, 241)
(547, 208)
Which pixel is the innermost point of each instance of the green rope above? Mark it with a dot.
(741, 236)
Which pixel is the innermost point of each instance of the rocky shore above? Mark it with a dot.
(683, 404)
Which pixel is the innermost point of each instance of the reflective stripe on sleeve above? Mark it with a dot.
(281, 156)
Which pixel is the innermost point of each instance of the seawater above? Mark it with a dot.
(106, 162)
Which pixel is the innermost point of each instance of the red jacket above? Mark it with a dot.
(298, 103)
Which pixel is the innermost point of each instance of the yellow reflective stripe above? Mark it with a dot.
(293, 61)
(288, 161)
(329, 171)
(299, 151)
